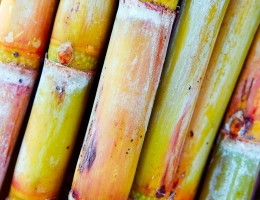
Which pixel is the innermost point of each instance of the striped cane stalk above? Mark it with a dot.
(185, 66)
(79, 37)
(232, 45)
(235, 163)
(24, 31)
(124, 99)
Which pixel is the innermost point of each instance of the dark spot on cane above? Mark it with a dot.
(16, 54)
(59, 89)
(161, 192)
(89, 156)
(191, 134)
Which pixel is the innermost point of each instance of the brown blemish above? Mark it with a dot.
(191, 133)
(249, 89)
(243, 94)
(178, 9)
(96, 106)
(132, 140)
(248, 122)
(89, 156)
(68, 147)
(60, 92)
(77, 6)
(59, 89)
(161, 192)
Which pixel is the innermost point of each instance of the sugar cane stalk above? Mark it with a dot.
(124, 99)
(24, 30)
(185, 66)
(233, 42)
(79, 36)
(236, 162)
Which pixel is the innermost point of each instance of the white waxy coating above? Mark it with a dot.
(16, 85)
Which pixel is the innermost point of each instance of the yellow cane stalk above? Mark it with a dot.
(181, 80)
(123, 103)
(236, 161)
(233, 42)
(78, 39)
(24, 30)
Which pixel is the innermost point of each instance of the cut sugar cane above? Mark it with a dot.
(236, 162)
(186, 63)
(24, 30)
(224, 67)
(123, 103)
(79, 37)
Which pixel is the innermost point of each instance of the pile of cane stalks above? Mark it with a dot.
(130, 99)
